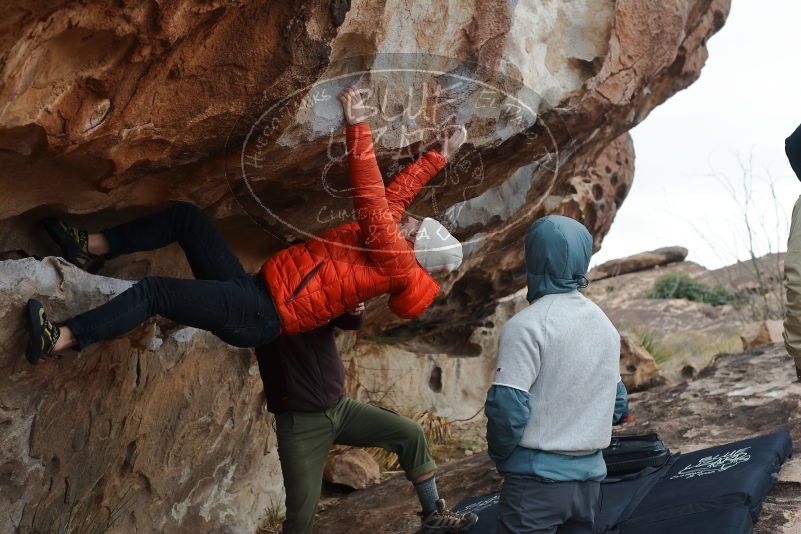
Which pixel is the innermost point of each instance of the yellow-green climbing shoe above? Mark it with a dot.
(43, 333)
(74, 244)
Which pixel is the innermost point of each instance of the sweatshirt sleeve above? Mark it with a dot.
(518, 357)
(621, 404)
(507, 407)
(507, 412)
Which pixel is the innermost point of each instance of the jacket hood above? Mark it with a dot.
(558, 251)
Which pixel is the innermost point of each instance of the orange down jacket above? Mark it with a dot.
(322, 278)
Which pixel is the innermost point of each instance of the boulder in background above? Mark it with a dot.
(761, 334)
(354, 468)
(643, 261)
(638, 368)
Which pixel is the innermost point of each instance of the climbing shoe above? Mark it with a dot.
(442, 520)
(74, 244)
(44, 334)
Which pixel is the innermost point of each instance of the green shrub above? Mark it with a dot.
(654, 345)
(681, 286)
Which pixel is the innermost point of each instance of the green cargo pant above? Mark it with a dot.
(792, 288)
(305, 438)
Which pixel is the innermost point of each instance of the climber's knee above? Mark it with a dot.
(187, 217)
(149, 289)
(187, 209)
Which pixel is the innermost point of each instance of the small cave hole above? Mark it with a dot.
(435, 380)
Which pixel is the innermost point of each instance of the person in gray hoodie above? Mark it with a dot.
(556, 392)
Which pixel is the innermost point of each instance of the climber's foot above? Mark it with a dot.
(74, 244)
(43, 333)
(442, 521)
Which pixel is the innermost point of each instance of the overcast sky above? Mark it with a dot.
(747, 101)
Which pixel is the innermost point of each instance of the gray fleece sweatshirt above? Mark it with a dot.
(565, 353)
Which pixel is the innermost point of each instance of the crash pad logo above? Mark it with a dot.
(482, 504)
(412, 102)
(718, 463)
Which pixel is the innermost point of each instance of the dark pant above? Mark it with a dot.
(226, 301)
(305, 438)
(531, 505)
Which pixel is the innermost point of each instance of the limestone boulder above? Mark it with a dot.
(112, 110)
(168, 422)
(353, 467)
(129, 107)
(760, 334)
(638, 369)
(638, 262)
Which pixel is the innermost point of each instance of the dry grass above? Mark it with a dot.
(438, 429)
(273, 518)
(82, 518)
(698, 348)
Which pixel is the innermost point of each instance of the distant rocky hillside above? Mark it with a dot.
(687, 332)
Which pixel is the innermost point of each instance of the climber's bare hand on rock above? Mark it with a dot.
(453, 137)
(353, 105)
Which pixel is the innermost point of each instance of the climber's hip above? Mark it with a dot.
(239, 311)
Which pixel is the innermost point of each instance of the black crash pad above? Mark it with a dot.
(719, 489)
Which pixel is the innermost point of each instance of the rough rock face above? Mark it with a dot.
(728, 403)
(170, 420)
(116, 109)
(639, 262)
(133, 106)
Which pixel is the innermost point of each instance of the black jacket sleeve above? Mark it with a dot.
(348, 321)
(792, 146)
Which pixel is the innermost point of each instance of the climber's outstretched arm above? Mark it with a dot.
(402, 191)
(380, 230)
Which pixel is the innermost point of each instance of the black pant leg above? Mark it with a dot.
(238, 311)
(207, 252)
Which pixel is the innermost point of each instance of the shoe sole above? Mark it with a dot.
(443, 530)
(32, 354)
(53, 228)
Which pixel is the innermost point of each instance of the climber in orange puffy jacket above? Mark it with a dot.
(320, 279)
(298, 289)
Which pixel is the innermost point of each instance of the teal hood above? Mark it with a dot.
(558, 252)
